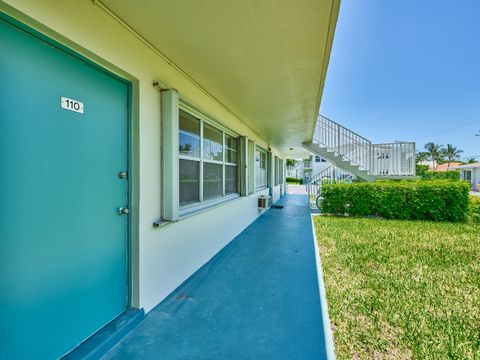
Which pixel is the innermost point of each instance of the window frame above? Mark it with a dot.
(251, 149)
(202, 203)
(265, 152)
(281, 172)
(468, 174)
(277, 171)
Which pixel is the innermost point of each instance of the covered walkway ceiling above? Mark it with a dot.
(264, 60)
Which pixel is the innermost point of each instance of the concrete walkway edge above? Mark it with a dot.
(327, 330)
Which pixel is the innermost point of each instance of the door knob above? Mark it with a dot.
(123, 210)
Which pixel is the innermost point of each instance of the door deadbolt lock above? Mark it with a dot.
(123, 210)
(122, 174)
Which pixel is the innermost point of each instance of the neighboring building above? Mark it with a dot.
(445, 167)
(136, 139)
(471, 173)
(306, 168)
(439, 167)
(429, 163)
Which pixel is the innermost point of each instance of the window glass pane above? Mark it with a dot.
(212, 143)
(231, 148)
(212, 180)
(189, 174)
(260, 169)
(230, 179)
(231, 156)
(189, 135)
(281, 172)
(231, 142)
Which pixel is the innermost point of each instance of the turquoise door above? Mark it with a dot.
(63, 244)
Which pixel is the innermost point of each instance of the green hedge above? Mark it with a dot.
(440, 200)
(474, 209)
(420, 169)
(441, 175)
(292, 180)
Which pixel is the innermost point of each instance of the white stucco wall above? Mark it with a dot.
(476, 179)
(170, 254)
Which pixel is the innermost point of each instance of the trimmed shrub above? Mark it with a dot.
(441, 175)
(440, 200)
(420, 169)
(474, 209)
(292, 180)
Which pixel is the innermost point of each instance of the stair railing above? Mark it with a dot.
(329, 175)
(380, 160)
(343, 142)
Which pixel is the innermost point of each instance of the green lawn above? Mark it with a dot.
(401, 289)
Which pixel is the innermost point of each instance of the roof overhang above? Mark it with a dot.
(466, 166)
(265, 61)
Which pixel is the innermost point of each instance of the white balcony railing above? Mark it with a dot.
(393, 159)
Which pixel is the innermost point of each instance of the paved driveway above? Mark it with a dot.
(297, 189)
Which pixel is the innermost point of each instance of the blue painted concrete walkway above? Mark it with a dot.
(257, 299)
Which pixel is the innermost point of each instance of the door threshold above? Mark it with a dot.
(107, 337)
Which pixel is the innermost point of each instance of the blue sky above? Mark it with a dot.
(407, 70)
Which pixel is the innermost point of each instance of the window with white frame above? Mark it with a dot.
(281, 171)
(208, 161)
(231, 162)
(467, 175)
(277, 170)
(260, 168)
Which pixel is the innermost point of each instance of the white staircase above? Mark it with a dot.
(339, 161)
(357, 155)
(352, 155)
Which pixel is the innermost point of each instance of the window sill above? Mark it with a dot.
(261, 189)
(161, 223)
(199, 208)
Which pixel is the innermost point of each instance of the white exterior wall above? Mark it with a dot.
(276, 193)
(167, 255)
(476, 179)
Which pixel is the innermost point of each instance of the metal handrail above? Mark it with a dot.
(330, 174)
(343, 142)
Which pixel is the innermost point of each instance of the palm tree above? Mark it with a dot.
(471, 160)
(290, 163)
(435, 152)
(421, 156)
(451, 153)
